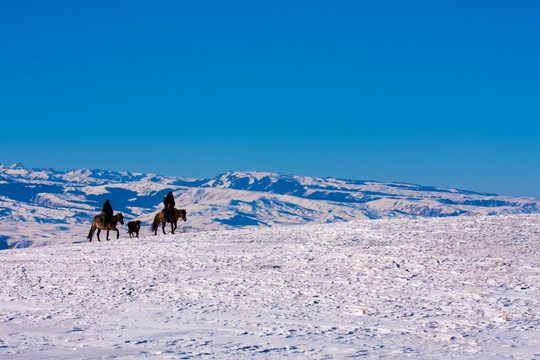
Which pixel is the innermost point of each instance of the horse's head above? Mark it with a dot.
(181, 213)
(120, 218)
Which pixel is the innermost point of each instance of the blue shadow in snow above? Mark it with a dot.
(240, 220)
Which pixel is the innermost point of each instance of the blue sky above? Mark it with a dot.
(443, 93)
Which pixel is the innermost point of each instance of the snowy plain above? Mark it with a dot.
(431, 288)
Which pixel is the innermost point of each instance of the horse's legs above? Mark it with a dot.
(98, 232)
(107, 234)
(172, 228)
(117, 233)
(163, 227)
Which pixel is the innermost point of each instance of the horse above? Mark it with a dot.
(160, 218)
(97, 223)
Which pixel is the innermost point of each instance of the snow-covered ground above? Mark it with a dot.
(429, 288)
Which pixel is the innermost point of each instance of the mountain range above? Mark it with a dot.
(45, 206)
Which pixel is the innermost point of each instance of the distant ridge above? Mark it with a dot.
(45, 206)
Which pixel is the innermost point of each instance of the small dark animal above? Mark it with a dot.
(133, 228)
(160, 219)
(97, 224)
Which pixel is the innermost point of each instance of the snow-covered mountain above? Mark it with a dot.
(44, 206)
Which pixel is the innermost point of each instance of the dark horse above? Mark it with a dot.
(160, 218)
(98, 224)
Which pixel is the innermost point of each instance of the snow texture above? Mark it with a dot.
(431, 288)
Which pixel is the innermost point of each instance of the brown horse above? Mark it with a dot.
(160, 219)
(98, 224)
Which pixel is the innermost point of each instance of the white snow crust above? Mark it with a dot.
(429, 288)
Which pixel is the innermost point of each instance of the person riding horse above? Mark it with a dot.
(169, 203)
(106, 212)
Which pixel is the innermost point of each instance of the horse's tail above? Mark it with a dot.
(91, 233)
(155, 224)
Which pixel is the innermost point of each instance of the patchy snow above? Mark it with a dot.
(429, 288)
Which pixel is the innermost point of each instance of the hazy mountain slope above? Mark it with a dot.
(42, 206)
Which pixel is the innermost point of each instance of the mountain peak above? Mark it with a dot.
(17, 166)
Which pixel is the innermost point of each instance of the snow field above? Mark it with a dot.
(462, 287)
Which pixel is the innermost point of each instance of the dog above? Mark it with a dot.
(133, 228)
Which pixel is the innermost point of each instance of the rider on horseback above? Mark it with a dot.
(169, 203)
(106, 213)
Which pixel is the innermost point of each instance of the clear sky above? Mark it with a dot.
(443, 93)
